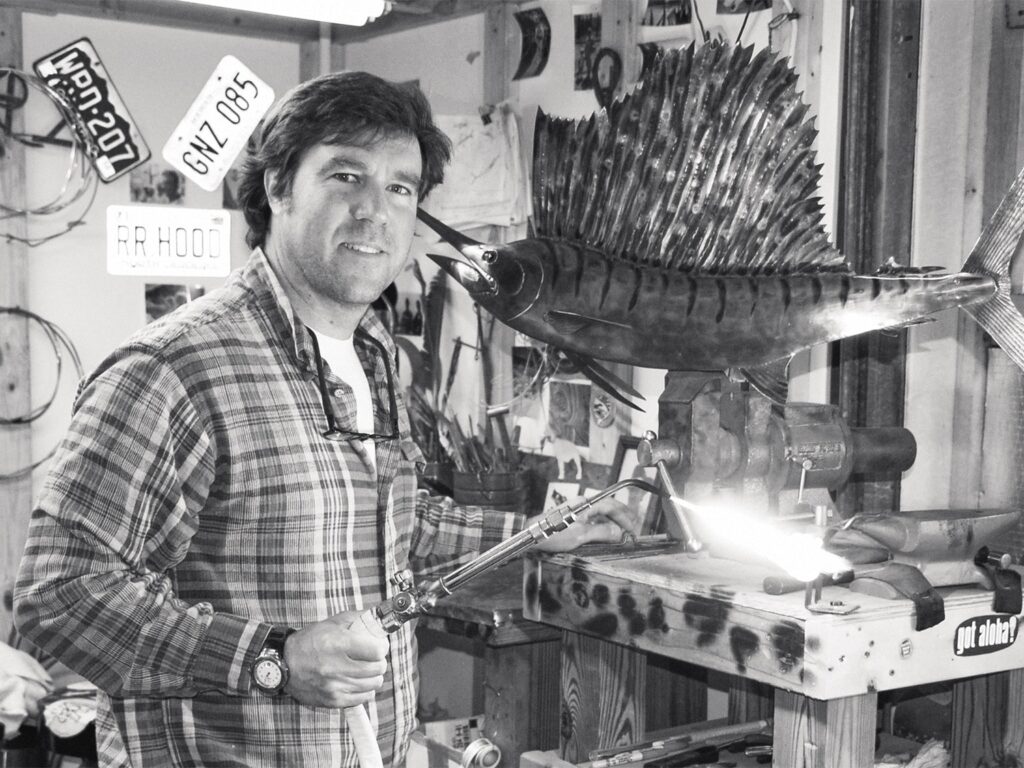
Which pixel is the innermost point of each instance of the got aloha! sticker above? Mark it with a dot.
(985, 634)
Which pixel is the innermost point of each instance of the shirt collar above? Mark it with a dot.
(270, 295)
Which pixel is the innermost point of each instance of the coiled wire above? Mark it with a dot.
(80, 180)
(60, 343)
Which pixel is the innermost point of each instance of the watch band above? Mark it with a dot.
(277, 638)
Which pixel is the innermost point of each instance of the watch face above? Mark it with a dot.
(267, 674)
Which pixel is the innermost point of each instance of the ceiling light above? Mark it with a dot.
(351, 12)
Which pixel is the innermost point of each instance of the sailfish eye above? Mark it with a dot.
(489, 257)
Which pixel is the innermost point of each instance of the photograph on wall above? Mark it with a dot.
(157, 182)
(229, 187)
(409, 315)
(587, 41)
(666, 13)
(626, 464)
(163, 298)
(536, 37)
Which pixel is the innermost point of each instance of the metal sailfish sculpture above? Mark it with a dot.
(681, 229)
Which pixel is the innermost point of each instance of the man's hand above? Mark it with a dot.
(338, 662)
(606, 520)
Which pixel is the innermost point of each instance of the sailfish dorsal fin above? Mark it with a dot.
(706, 166)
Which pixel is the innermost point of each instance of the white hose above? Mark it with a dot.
(363, 736)
(358, 719)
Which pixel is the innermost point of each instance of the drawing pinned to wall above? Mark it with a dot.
(163, 298)
(587, 42)
(569, 411)
(559, 493)
(157, 182)
(536, 37)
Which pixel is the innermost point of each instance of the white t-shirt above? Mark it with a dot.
(341, 355)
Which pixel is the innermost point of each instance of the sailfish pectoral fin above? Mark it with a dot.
(605, 379)
(770, 379)
(573, 322)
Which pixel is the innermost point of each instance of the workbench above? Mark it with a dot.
(826, 670)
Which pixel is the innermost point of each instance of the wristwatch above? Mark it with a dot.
(269, 671)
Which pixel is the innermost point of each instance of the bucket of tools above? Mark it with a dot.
(505, 491)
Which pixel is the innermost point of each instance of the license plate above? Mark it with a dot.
(217, 125)
(77, 72)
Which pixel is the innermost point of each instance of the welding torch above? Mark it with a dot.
(410, 601)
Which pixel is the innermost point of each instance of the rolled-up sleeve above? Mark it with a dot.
(448, 534)
(117, 512)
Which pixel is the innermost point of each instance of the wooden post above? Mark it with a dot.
(839, 733)
(521, 697)
(877, 201)
(499, 35)
(15, 441)
(602, 695)
(979, 720)
(749, 700)
(1013, 740)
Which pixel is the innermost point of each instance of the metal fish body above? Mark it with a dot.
(680, 229)
(577, 299)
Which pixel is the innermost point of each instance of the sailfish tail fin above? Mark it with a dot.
(999, 246)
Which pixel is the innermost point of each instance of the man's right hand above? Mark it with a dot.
(338, 662)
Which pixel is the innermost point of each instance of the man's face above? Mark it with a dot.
(344, 230)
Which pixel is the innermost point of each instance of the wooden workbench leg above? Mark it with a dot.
(602, 695)
(1014, 740)
(810, 733)
(677, 693)
(521, 695)
(749, 700)
(979, 719)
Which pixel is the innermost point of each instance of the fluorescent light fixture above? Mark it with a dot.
(352, 12)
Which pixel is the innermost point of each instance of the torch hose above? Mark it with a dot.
(364, 738)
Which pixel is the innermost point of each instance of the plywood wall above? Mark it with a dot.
(158, 72)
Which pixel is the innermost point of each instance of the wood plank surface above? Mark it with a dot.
(713, 613)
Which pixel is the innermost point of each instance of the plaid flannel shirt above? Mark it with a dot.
(194, 502)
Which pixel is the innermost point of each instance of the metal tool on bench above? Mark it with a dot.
(410, 601)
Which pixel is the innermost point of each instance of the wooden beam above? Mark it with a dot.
(406, 16)
(15, 441)
(174, 13)
(979, 720)
(875, 216)
(839, 733)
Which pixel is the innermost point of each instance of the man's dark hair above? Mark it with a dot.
(339, 108)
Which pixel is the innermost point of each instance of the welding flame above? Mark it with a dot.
(801, 555)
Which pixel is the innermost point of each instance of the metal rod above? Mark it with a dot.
(558, 519)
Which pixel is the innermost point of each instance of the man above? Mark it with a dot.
(238, 482)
